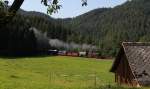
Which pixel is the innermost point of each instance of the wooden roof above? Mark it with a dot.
(138, 57)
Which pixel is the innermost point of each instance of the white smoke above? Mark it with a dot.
(60, 44)
(41, 39)
(44, 43)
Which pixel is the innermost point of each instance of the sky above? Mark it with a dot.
(70, 8)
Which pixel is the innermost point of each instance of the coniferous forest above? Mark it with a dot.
(104, 28)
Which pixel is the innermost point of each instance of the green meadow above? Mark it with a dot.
(58, 72)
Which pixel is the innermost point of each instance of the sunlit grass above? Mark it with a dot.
(55, 73)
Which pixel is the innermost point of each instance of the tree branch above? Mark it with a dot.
(11, 11)
(15, 6)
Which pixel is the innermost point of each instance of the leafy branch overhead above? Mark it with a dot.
(54, 6)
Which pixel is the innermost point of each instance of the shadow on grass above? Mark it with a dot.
(5, 56)
(112, 87)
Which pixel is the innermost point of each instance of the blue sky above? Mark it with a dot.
(71, 8)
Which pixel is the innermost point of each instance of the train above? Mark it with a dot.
(88, 54)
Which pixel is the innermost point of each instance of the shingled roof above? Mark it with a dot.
(138, 57)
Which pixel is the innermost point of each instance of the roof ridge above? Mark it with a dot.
(135, 43)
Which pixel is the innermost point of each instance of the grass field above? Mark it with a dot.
(55, 73)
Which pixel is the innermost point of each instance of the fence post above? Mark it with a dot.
(95, 80)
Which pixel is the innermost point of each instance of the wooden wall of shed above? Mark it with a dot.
(124, 75)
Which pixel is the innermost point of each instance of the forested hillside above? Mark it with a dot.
(51, 27)
(29, 32)
(105, 28)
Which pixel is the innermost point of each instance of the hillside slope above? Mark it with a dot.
(106, 29)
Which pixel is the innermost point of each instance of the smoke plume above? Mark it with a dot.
(60, 44)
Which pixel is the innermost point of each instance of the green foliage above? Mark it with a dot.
(53, 9)
(3, 10)
(1, 3)
(145, 38)
(53, 28)
(108, 27)
(16, 37)
(105, 27)
(53, 5)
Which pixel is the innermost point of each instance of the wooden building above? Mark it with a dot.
(132, 65)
